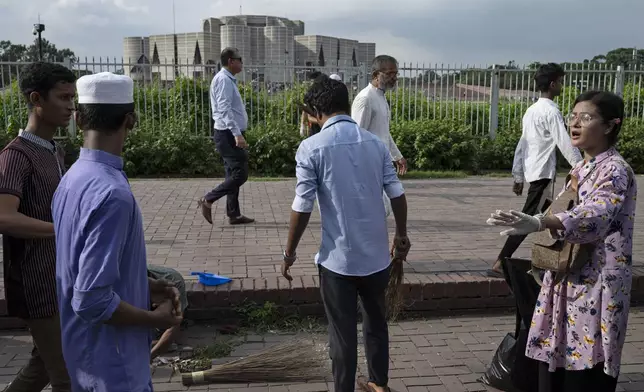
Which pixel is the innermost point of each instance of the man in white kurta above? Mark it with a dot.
(370, 109)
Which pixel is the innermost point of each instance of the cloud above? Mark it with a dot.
(120, 4)
(430, 31)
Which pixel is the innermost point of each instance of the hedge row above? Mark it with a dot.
(433, 135)
(427, 144)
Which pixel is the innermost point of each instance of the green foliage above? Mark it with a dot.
(172, 137)
(269, 317)
(631, 143)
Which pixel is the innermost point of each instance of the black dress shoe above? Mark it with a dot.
(240, 220)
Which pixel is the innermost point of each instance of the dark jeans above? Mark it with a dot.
(340, 296)
(589, 380)
(531, 207)
(236, 166)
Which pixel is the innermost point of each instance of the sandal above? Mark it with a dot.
(492, 273)
(363, 384)
(206, 210)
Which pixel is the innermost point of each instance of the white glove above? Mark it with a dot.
(520, 223)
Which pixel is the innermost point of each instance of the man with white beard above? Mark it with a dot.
(370, 110)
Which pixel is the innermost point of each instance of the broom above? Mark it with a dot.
(297, 361)
(394, 294)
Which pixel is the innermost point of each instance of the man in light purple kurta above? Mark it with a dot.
(102, 282)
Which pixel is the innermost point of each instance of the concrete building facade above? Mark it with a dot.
(271, 48)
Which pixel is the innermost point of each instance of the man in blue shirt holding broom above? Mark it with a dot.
(348, 168)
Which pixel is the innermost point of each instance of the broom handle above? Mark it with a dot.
(193, 378)
(397, 253)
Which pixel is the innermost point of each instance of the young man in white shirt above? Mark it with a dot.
(535, 157)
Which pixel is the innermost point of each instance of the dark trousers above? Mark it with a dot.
(531, 207)
(236, 166)
(589, 380)
(46, 364)
(340, 296)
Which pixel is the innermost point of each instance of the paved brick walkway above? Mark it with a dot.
(451, 242)
(446, 226)
(435, 355)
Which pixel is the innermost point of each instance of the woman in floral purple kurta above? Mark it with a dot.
(579, 325)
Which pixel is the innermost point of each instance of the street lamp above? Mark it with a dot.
(38, 29)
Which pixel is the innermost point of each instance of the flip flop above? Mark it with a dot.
(492, 273)
(363, 384)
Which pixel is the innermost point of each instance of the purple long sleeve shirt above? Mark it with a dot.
(101, 261)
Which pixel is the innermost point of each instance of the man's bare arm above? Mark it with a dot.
(169, 336)
(399, 208)
(18, 225)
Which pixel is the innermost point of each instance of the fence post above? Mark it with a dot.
(71, 128)
(619, 81)
(494, 102)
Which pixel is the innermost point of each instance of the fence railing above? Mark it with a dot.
(486, 98)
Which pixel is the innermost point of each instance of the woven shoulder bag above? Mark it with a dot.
(558, 255)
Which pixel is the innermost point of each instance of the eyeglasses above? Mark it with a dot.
(238, 58)
(390, 73)
(584, 118)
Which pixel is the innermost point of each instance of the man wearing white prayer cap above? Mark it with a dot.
(336, 77)
(104, 294)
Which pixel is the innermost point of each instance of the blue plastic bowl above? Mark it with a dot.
(208, 279)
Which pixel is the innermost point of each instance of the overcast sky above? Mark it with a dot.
(429, 31)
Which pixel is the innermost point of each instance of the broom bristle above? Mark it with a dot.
(297, 361)
(394, 295)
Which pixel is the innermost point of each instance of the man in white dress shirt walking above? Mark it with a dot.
(535, 157)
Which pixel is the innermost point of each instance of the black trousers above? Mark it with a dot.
(340, 296)
(531, 207)
(590, 380)
(236, 166)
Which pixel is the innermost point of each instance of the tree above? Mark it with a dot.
(10, 52)
(23, 53)
(49, 52)
(624, 56)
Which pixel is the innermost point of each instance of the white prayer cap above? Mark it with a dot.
(336, 77)
(105, 88)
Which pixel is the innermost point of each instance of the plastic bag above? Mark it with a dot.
(511, 370)
(499, 373)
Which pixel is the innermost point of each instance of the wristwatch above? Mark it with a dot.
(290, 259)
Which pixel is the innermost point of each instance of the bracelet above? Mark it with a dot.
(290, 259)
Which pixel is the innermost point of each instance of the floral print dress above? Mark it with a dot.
(581, 321)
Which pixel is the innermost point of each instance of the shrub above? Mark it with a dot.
(172, 135)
